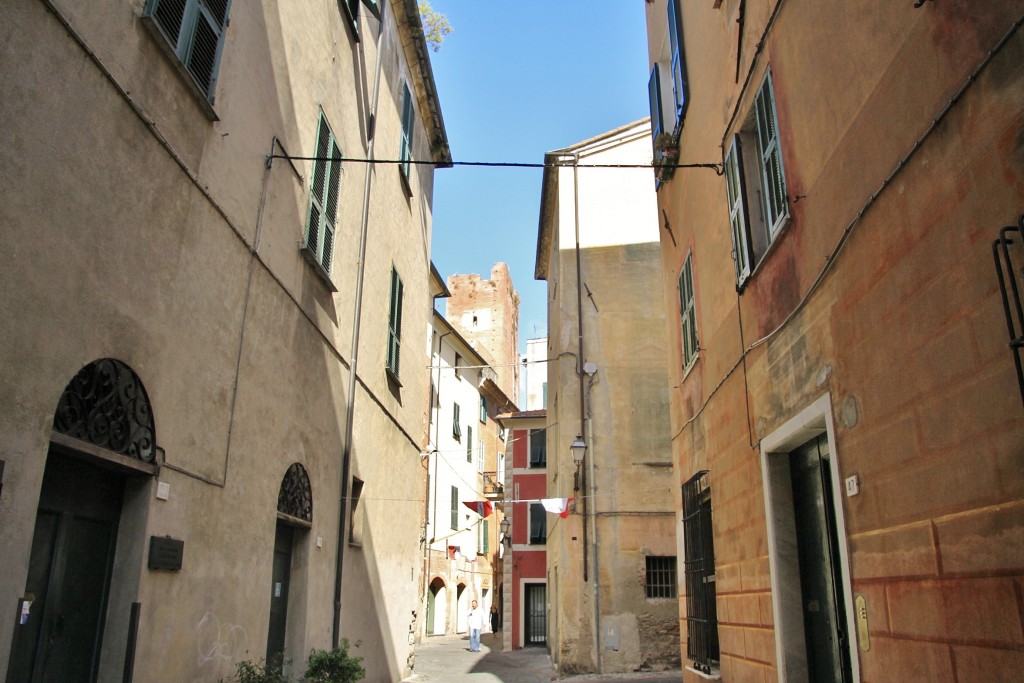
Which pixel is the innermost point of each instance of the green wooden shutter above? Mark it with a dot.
(408, 120)
(687, 312)
(738, 212)
(776, 206)
(469, 443)
(455, 507)
(323, 196)
(195, 31)
(487, 536)
(395, 322)
(456, 428)
(680, 84)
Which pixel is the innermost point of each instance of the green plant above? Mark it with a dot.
(334, 666)
(248, 671)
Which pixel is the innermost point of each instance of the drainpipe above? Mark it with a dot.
(585, 428)
(346, 460)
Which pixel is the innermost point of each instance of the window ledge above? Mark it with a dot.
(392, 377)
(183, 73)
(310, 257)
(715, 675)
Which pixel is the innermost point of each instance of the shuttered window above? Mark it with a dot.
(395, 322)
(680, 84)
(194, 30)
(773, 181)
(469, 443)
(455, 507)
(654, 97)
(456, 428)
(408, 119)
(323, 197)
(756, 183)
(688, 312)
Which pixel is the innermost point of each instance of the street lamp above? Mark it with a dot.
(506, 538)
(578, 448)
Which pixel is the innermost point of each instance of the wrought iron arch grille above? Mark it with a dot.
(295, 498)
(106, 405)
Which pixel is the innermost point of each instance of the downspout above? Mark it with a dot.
(579, 354)
(346, 459)
(588, 474)
(592, 492)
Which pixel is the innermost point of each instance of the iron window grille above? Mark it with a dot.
(194, 31)
(699, 570)
(660, 579)
(1008, 263)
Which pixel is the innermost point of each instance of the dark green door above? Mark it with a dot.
(824, 603)
(283, 540)
(69, 574)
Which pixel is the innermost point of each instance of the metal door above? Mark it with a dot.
(59, 637)
(281, 577)
(536, 615)
(824, 603)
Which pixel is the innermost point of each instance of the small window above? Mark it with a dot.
(469, 443)
(756, 184)
(661, 577)
(481, 457)
(408, 121)
(456, 428)
(677, 59)
(483, 409)
(538, 448)
(395, 322)
(355, 525)
(455, 508)
(483, 540)
(687, 312)
(458, 364)
(323, 198)
(194, 31)
(538, 524)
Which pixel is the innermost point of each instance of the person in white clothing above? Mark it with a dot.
(475, 619)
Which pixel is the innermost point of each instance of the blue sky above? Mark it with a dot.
(516, 80)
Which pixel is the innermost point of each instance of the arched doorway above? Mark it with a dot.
(103, 443)
(437, 607)
(294, 517)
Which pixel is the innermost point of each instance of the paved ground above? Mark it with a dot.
(447, 659)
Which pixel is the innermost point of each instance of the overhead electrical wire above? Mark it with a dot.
(716, 167)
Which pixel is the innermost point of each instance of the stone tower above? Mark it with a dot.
(486, 313)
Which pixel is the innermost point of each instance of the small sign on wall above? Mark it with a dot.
(165, 553)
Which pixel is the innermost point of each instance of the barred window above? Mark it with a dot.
(661, 577)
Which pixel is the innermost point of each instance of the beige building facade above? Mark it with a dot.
(845, 407)
(611, 564)
(210, 428)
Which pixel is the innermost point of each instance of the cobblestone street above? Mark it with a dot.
(448, 659)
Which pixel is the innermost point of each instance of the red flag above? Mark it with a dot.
(480, 507)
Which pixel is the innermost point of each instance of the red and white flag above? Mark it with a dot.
(480, 507)
(557, 506)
